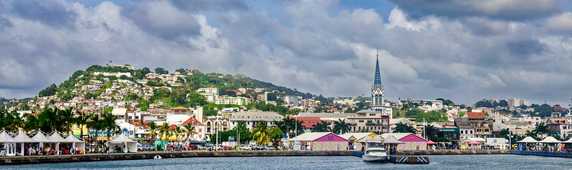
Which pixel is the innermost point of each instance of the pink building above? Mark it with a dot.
(319, 141)
(411, 142)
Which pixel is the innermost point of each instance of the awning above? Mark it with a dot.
(430, 142)
(5, 137)
(550, 139)
(55, 138)
(72, 139)
(40, 137)
(22, 137)
(528, 140)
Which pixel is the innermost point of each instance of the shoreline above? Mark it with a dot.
(18, 160)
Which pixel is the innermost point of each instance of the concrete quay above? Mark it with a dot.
(150, 155)
(455, 152)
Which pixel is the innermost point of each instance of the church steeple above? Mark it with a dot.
(377, 89)
(377, 78)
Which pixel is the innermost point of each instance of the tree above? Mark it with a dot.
(322, 126)
(108, 121)
(241, 133)
(289, 125)
(275, 136)
(49, 91)
(190, 129)
(432, 116)
(153, 130)
(160, 70)
(341, 127)
(404, 128)
(261, 134)
(31, 122)
(81, 120)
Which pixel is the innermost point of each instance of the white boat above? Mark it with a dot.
(375, 152)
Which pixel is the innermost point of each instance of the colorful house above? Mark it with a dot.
(411, 142)
(319, 141)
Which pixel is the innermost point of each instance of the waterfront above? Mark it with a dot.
(490, 162)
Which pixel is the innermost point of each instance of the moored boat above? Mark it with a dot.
(375, 152)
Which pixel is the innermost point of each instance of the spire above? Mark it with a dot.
(377, 78)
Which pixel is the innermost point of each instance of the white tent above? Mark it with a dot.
(21, 139)
(121, 140)
(57, 139)
(9, 145)
(75, 143)
(528, 140)
(40, 137)
(550, 139)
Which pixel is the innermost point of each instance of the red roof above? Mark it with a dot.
(192, 120)
(476, 115)
(308, 122)
(412, 138)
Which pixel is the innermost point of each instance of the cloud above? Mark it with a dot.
(499, 9)
(314, 46)
(560, 23)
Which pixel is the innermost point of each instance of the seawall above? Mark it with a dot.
(454, 152)
(150, 155)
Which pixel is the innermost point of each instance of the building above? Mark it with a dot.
(319, 141)
(515, 102)
(252, 118)
(410, 141)
(561, 125)
(357, 141)
(369, 121)
(475, 125)
(376, 119)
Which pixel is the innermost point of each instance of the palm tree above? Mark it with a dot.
(261, 135)
(31, 122)
(81, 120)
(404, 128)
(66, 119)
(14, 121)
(190, 129)
(108, 121)
(164, 129)
(322, 126)
(49, 120)
(275, 136)
(290, 126)
(341, 126)
(153, 130)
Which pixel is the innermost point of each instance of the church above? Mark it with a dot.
(376, 119)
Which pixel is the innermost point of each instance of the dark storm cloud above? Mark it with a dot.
(500, 9)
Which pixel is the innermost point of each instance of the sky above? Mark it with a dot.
(464, 50)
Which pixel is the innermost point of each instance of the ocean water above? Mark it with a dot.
(461, 162)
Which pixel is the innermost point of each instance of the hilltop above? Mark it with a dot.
(158, 88)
